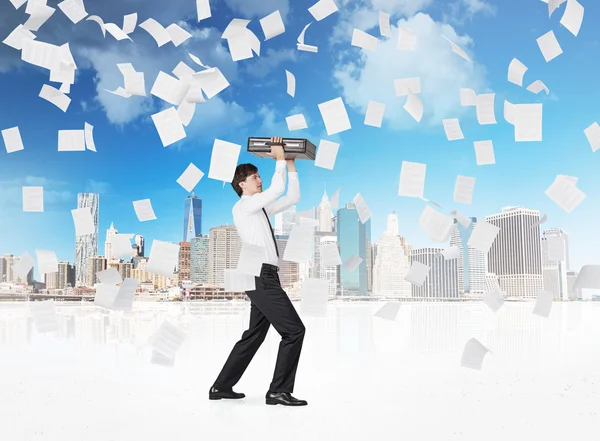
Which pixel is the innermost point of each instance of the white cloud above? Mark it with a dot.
(11, 192)
(370, 75)
(259, 9)
(215, 118)
(270, 61)
(461, 11)
(92, 186)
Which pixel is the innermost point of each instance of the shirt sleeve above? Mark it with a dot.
(292, 196)
(260, 200)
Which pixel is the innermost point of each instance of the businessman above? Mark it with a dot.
(270, 304)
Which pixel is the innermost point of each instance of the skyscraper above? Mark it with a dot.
(324, 215)
(442, 281)
(139, 246)
(86, 246)
(329, 273)
(516, 254)
(353, 238)
(472, 265)
(391, 264)
(224, 248)
(96, 264)
(184, 262)
(555, 271)
(192, 218)
(108, 250)
(284, 221)
(199, 260)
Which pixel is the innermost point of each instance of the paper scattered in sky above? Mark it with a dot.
(484, 152)
(412, 179)
(190, 177)
(374, 114)
(549, 46)
(516, 71)
(323, 9)
(335, 116)
(473, 354)
(326, 154)
(223, 160)
(143, 210)
(33, 199)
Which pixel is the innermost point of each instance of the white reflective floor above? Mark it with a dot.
(363, 377)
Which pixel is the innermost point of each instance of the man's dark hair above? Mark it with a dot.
(242, 171)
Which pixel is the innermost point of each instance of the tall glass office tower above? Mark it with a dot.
(192, 218)
(353, 238)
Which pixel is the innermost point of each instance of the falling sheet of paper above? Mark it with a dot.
(407, 40)
(169, 126)
(384, 24)
(110, 276)
(238, 282)
(543, 304)
(73, 9)
(363, 40)
(71, 141)
(186, 112)
(305, 47)
(156, 31)
(364, 213)
(335, 116)
(203, 9)
(483, 236)
(55, 97)
(463, 189)
(41, 54)
(240, 40)
(516, 71)
(251, 259)
(212, 81)
(537, 86)
(326, 154)
(565, 194)
(485, 108)
(457, 50)
(330, 255)
(527, 119)
(412, 179)
(299, 243)
(556, 247)
(323, 9)
(437, 225)
(18, 3)
(223, 160)
(125, 296)
(83, 220)
(468, 97)
(403, 85)
(170, 89)
(451, 253)
(414, 106)
(484, 152)
(461, 218)
(167, 340)
(473, 354)
(177, 34)
(163, 259)
(272, 25)
(452, 129)
(18, 37)
(121, 246)
(120, 92)
(494, 299)
(106, 295)
(553, 5)
(389, 311)
(44, 314)
(291, 83)
(296, 122)
(592, 133)
(40, 15)
(12, 140)
(543, 219)
(315, 295)
(374, 115)
(572, 17)
(352, 263)
(143, 210)
(129, 23)
(183, 72)
(418, 273)
(190, 177)
(47, 261)
(23, 266)
(549, 46)
(33, 199)
(89, 137)
(116, 32)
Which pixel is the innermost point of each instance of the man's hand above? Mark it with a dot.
(291, 164)
(277, 149)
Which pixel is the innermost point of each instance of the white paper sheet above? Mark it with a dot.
(556, 247)
(116, 32)
(163, 259)
(121, 246)
(125, 296)
(238, 282)
(272, 25)
(33, 199)
(326, 154)
(403, 85)
(553, 5)
(12, 140)
(543, 304)
(212, 81)
(129, 23)
(384, 24)
(38, 17)
(374, 115)
(485, 108)
(527, 119)
(592, 133)
(169, 126)
(458, 50)
(41, 54)
(537, 86)
(83, 221)
(483, 236)
(363, 40)
(156, 31)
(418, 273)
(461, 218)
(407, 40)
(170, 89)
(437, 225)
(110, 276)
(323, 9)
(451, 253)
(463, 189)
(71, 141)
(143, 210)
(412, 179)
(364, 213)
(106, 295)
(177, 34)
(223, 160)
(73, 9)
(251, 259)
(494, 299)
(549, 46)
(484, 152)
(452, 129)
(573, 17)
(203, 9)
(473, 354)
(389, 311)
(167, 340)
(352, 263)
(47, 261)
(414, 106)
(296, 122)
(314, 294)
(291, 83)
(55, 97)
(134, 81)
(190, 177)
(23, 266)
(89, 137)
(565, 194)
(330, 255)
(468, 97)
(516, 71)
(299, 243)
(335, 116)
(18, 37)
(18, 3)
(305, 47)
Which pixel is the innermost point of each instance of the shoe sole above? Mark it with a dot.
(225, 398)
(274, 402)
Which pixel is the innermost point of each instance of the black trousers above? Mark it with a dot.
(270, 306)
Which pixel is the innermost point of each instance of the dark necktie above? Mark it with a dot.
(272, 234)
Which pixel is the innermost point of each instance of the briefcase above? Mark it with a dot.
(294, 148)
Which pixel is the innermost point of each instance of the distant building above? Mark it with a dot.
(442, 281)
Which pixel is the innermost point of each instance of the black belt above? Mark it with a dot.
(270, 267)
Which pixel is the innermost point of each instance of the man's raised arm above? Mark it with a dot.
(293, 194)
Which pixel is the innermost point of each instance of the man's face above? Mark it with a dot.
(252, 184)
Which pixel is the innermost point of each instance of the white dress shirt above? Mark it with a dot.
(252, 224)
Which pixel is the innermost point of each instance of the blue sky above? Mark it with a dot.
(132, 164)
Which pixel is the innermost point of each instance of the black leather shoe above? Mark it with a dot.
(284, 398)
(217, 394)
